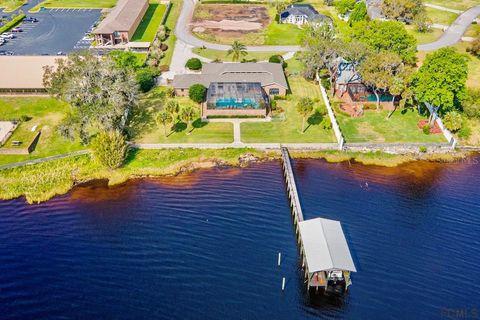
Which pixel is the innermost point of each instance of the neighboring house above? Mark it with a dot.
(120, 24)
(235, 89)
(374, 9)
(301, 14)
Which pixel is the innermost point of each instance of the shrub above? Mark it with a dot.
(273, 104)
(426, 129)
(453, 121)
(423, 149)
(110, 148)
(344, 6)
(471, 104)
(25, 118)
(474, 49)
(326, 123)
(464, 133)
(325, 83)
(146, 79)
(197, 92)
(194, 64)
(275, 59)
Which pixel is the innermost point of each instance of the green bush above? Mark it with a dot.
(110, 148)
(471, 104)
(325, 83)
(194, 64)
(426, 129)
(25, 118)
(197, 92)
(273, 104)
(326, 123)
(275, 59)
(453, 121)
(146, 79)
(423, 149)
(464, 133)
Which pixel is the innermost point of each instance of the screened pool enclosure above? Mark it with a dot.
(236, 95)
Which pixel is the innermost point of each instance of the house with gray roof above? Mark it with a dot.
(235, 89)
(301, 14)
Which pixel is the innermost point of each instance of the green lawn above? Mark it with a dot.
(373, 127)
(11, 5)
(283, 34)
(77, 4)
(222, 55)
(455, 4)
(440, 16)
(473, 31)
(174, 12)
(151, 21)
(46, 113)
(144, 129)
(287, 122)
(424, 37)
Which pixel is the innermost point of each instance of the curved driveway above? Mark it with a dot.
(455, 32)
(183, 33)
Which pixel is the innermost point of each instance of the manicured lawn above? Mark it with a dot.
(78, 4)
(473, 31)
(373, 127)
(424, 37)
(11, 5)
(144, 129)
(151, 21)
(474, 138)
(222, 55)
(440, 16)
(170, 22)
(455, 4)
(286, 126)
(294, 66)
(46, 113)
(283, 34)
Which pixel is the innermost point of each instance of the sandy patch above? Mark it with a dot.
(230, 25)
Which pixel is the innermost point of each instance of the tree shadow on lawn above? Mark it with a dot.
(315, 119)
(142, 118)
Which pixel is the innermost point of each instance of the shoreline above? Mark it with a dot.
(41, 182)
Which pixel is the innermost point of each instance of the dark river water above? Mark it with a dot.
(205, 245)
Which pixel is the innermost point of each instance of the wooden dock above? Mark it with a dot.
(314, 238)
(291, 188)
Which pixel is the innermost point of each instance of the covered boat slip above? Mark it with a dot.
(326, 255)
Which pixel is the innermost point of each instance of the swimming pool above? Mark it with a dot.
(236, 103)
(383, 98)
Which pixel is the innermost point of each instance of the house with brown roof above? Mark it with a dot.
(235, 89)
(120, 24)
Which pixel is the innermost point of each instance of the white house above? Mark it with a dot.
(301, 14)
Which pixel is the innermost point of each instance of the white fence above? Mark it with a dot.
(447, 134)
(333, 120)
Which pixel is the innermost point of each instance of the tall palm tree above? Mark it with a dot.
(187, 114)
(238, 50)
(164, 118)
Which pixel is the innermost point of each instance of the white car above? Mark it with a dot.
(7, 36)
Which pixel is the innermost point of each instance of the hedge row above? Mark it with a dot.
(12, 23)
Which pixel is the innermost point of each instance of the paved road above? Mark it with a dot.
(455, 32)
(183, 33)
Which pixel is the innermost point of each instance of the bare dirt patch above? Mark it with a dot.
(225, 21)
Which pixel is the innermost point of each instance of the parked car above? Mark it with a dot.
(7, 35)
(30, 19)
(17, 30)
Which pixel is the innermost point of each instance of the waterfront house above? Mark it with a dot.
(301, 14)
(235, 89)
(121, 23)
(326, 256)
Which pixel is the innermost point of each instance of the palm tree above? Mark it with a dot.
(187, 114)
(163, 118)
(172, 108)
(238, 49)
(304, 107)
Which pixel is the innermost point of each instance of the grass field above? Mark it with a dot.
(286, 126)
(222, 55)
(11, 5)
(473, 31)
(283, 34)
(440, 16)
(424, 37)
(92, 4)
(46, 113)
(151, 21)
(375, 128)
(455, 4)
(144, 129)
(170, 22)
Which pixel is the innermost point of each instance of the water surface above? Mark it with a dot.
(205, 245)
